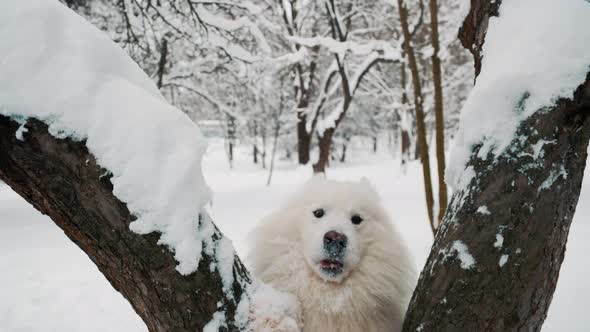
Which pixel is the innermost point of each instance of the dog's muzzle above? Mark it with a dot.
(334, 249)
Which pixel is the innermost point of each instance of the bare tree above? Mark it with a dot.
(438, 110)
(528, 225)
(418, 105)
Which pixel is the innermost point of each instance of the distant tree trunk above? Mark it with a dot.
(512, 225)
(254, 146)
(303, 139)
(277, 131)
(405, 136)
(424, 158)
(345, 142)
(231, 137)
(374, 144)
(255, 153)
(324, 144)
(162, 62)
(263, 153)
(60, 178)
(438, 111)
(405, 143)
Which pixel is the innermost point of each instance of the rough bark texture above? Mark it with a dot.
(60, 178)
(473, 32)
(438, 111)
(421, 126)
(519, 246)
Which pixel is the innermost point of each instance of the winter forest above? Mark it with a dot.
(294, 165)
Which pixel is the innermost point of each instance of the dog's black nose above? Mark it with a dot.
(335, 242)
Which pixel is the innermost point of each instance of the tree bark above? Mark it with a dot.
(438, 111)
(374, 144)
(518, 247)
(61, 179)
(420, 124)
(324, 144)
(303, 139)
(254, 147)
(162, 62)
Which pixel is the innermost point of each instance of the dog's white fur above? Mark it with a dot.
(372, 293)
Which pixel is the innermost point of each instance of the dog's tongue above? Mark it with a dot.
(330, 264)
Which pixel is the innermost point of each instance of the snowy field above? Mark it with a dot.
(48, 284)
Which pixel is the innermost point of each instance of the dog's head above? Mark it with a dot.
(337, 224)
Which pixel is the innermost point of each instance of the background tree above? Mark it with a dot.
(438, 109)
(418, 105)
(496, 257)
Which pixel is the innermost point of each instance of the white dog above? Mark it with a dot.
(333, 246)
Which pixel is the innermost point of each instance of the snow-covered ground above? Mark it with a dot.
(48, 284)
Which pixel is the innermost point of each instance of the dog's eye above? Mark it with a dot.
(356, 219)
(319, 213)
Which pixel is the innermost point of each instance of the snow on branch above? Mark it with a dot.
(372, 59)
(57, 68)
(341, 48)
(229, 25)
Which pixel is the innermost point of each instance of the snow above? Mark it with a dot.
(503, 260)
(525, 67)
(20, 131)
(483, 210)
(340, 48)
(216, 323)
(270, 307)
(45, 276)
(499, 241)
(467, 261)
(58, 68)
(554, 174)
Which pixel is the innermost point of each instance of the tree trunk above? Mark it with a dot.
(518, 243)
(324, 144)
(254, 147)
(275, 142)
(374, 144)
(60, 178)
(405, 136)
(263, 153)
(438, 111)
(162, 62)
(424, 158)
(405, 145)
(303, 139)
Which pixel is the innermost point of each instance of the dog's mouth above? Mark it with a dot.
(331, 267)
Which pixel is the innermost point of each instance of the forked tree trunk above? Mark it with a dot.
(438, 111)
(60, 178)
(324, 144)
(518, 247)
(421, 126)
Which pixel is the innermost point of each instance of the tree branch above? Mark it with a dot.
(60, 178)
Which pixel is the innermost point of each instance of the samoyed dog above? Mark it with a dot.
(333, 246)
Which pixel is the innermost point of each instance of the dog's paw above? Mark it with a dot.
(274, 311)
